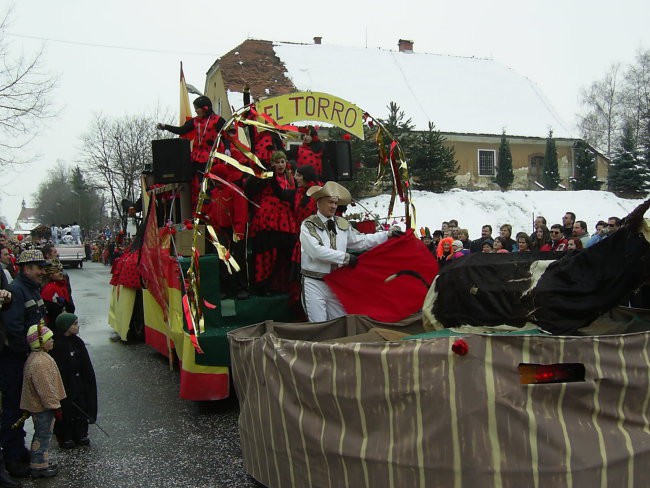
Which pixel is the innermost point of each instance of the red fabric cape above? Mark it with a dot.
(362, 289)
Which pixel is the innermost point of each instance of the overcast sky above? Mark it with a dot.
(122, 57)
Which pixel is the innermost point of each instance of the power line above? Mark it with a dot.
(108, 46)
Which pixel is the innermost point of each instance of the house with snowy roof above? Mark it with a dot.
(470, 100)
(26, 221)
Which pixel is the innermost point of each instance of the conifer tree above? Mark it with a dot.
(551, 175)
(505, 176)
(433, 165)
(397, 123)
(628, 174)
(585, 168)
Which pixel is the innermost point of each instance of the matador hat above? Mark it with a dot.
(331, 189)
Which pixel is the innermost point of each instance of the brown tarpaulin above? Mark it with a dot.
(414, 414)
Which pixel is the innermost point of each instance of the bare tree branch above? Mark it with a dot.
(24, 99)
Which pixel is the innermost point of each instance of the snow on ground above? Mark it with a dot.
(473, 209)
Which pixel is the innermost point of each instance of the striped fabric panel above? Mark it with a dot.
(414, 414)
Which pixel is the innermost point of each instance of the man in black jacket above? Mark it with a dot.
(5, 300)
(486, 234)
(26, 309)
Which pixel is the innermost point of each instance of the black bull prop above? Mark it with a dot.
(559, 293)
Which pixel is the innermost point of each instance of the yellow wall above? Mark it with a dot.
(466, 148)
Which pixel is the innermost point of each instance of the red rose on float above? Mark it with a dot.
(460, 347)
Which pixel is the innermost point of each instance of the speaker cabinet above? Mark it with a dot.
(338, 158)
(171, 161)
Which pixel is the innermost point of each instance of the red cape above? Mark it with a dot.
(362, 289)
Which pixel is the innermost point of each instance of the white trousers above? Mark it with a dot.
(319, 302)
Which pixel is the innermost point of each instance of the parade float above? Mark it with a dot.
(388, 396)
(175, 293)
(556, 396)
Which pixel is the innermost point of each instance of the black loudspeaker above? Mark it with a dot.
(338, 156)
(171, 161)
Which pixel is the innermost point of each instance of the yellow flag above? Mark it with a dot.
(185, 107)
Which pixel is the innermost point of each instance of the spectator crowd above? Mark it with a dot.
(452, 241)
(54, 385)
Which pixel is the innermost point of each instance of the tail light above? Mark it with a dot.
(537, 374)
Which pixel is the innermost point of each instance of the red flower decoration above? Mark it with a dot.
(189, 226)
(19, 237)
(346, 137)
(460, 347)
(2, 226)
(172, 231)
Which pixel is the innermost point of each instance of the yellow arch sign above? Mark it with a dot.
(312, 106)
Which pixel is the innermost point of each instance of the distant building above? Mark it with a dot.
(26, 221)
(470, 100)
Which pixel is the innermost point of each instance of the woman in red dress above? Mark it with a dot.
(273, 228)
(310, 152)
(302, 207)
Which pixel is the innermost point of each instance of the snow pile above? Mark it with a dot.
(518, 208)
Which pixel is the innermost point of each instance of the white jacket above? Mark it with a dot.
(322, 253)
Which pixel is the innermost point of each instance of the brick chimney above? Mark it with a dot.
(405, 46)
(317, 40)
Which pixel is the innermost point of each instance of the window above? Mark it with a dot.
(486, 162)
(536, 169)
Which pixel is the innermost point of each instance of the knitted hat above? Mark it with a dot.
(457, 245)
(33, 334)
(64, 321)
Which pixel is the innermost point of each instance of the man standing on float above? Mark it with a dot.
(324, 240)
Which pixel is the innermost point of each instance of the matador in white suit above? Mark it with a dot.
(325, 240)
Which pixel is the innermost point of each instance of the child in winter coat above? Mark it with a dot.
(80, 406)
(56, 292)
(41, 396)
